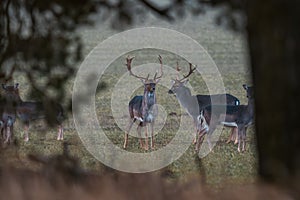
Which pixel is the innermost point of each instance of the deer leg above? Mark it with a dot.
(230, 137)
(2, 130)
(11, 131)
(127, 132)
(232, 134)
(152, 134)
(26, 129)
(139, 129)
(213, 127)
(8, 133)
(3, 133)
(244, 139)
(236, 136)
(125, 140)
(60, 134)
(195, 131)
(146, 138)
(239, 138)
(200, 139)
(203, 128)
(209, 141)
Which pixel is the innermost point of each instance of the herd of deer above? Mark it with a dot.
(142, 109)
(199, 107)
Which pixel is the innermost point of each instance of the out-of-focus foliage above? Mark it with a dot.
(38, 38)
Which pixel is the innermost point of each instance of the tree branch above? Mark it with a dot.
(162, 12)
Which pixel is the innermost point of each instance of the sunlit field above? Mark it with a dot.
(222, 166)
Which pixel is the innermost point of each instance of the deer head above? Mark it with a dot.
(249, 90)
(179, 83)
(11, 92)
(149, 84)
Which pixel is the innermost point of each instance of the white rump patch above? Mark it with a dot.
(231, 124)
(202, 124)
(139, 118)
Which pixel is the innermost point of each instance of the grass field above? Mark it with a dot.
(224, 165)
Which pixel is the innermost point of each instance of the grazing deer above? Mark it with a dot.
(28, 111)
(142, 108)
(194, 104)
(240, 117)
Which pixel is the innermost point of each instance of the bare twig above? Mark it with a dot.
(162, 12)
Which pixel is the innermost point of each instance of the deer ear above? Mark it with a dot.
(245, 86)
(186, 81)
(157, 80)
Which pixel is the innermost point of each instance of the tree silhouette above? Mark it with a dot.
(37, 40)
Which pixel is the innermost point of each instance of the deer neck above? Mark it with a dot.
(19, 101)
(250, 106)
(183, 93)
(14, 101)
(149, 99)
(187, 101)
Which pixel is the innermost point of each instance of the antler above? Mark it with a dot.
(161, 69)
(178, 70)
(177, 67)
(128, 64)
(190, 71)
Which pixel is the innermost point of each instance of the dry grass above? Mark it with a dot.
(60, 177)
(225, 166)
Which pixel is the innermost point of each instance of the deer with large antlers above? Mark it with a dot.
(193, 104)
(142, 108)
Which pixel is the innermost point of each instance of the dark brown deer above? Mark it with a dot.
(28, 111)
(193, 104)
(142, 108)
(240, 117)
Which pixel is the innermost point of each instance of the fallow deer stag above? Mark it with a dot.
(240, 117)
(193, 104)
(142, 108)
(28, 111)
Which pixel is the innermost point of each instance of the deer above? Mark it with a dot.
(193, 104)
(28, 111)
(142, 108)
(239, 117)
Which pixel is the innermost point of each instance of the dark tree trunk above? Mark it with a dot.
(274, 42)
